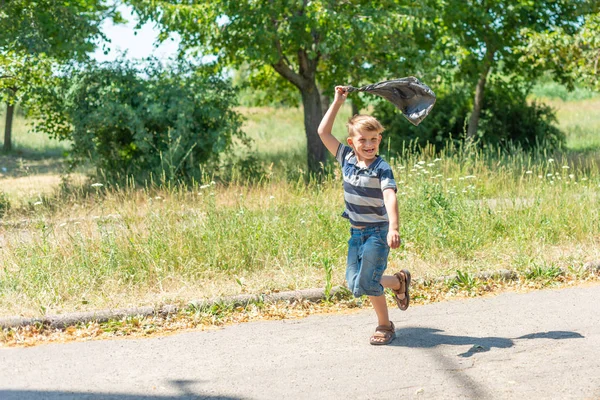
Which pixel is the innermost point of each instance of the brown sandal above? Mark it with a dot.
(383, 334)
(404, 278)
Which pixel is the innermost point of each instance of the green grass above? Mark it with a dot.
(462, 210)
(30, 144)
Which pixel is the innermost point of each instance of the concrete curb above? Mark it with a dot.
(314, 295)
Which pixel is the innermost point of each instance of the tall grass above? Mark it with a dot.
(462, 208)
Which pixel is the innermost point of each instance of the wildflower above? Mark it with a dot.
(95, 185)
(470, 177)
(551, 160)
(448, 179)
(430, 164)
(540, 176)
(212, 183)
(157, 198)
(204, 186)
(302, 221)
(565, 167)
(37, 203)
(529, 172)
(571, 176)
(421, 162)
(549, 175)
(402, 167)
(437, 159)
(271, 198)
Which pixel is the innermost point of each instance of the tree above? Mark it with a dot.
(35, 35)
(571, 57)
(310, 44)
(478, 35)
(58, 28)
(21, 75)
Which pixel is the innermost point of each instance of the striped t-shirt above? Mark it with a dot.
(363, 188)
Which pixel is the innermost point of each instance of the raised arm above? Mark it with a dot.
(326, 124)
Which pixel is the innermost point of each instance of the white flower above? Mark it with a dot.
(529, 172)
(565, 167)
(448, 179)
(549, 175)
(271, 198)
(157, 198)
(97, 185)
(470, 177)
(437, 159)
(212, 183)
(430, 164)
(551, 160)
(571, 176)
(421, 162)
(37, 203)
(204, 186)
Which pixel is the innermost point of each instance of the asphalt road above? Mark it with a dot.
(538, 345)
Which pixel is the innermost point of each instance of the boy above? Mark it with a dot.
(370, 197)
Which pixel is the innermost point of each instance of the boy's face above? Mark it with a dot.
(365, 144)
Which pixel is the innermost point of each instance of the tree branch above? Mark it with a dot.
(285, 71)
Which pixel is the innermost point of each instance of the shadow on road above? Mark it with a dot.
(430, 337)
(182, 386)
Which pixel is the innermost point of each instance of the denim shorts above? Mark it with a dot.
(367, 259)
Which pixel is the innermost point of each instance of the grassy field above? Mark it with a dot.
(92, 247)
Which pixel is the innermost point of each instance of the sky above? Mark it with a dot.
(138, 46)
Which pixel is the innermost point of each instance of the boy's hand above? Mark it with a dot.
(340, 94)
(393, 238)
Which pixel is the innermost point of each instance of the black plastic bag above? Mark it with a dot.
(409, 95)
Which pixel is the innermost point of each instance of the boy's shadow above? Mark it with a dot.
(429, 337)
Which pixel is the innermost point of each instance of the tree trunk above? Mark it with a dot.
(313, 114)
(355, 109)
(10, 111)
(478, 101)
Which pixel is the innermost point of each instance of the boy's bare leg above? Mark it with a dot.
(390, 281)
(379, 302)
(380, 307)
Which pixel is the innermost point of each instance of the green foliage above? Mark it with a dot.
(507, 119)
(159, 122)
(464, 280)
(571, 56)
(57, 28)
(544, 272)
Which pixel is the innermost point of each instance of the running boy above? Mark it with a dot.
(370, 197)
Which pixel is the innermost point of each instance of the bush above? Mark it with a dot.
(507, 119)
(166, 123)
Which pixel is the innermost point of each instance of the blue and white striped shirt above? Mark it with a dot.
(363, 188)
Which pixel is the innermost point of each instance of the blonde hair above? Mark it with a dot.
(363, 123)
